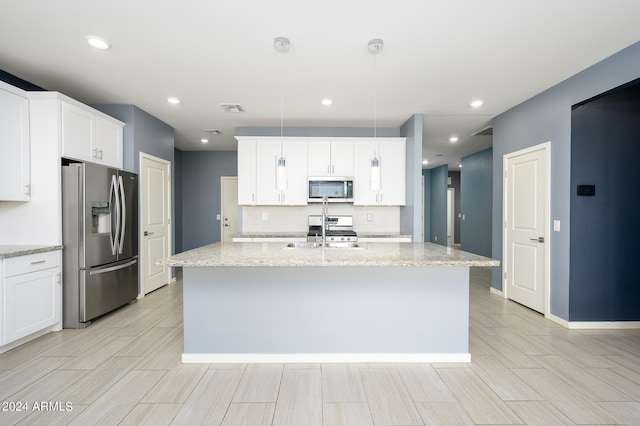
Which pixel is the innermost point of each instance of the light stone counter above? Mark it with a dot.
(7, 251)
(369, 255)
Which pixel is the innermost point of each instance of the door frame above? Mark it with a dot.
(222, 179)
(546, 147)
(167, 164)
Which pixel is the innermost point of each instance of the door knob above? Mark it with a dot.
(539, 239)
(226, 224)
(147, 233)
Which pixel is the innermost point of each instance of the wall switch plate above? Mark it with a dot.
(436, 238)
(556, 225)
(463, 217)
(369, 217)
(265, 216)
(218, 216)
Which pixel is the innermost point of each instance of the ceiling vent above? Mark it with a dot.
(213, 132)
(487, 131)
(232, 107)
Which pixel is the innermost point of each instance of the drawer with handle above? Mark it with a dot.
(31, 263)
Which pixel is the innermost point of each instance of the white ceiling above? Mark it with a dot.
(438, 56)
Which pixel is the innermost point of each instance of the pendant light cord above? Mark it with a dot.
(375, 95)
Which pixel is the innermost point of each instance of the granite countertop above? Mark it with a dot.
(24, 250)
(383, 235)
(370, 254)
(302, 234)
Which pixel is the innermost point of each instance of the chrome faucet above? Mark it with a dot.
(325, 205)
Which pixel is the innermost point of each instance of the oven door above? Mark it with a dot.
(336, 190)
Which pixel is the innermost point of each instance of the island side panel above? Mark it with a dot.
(326, 310)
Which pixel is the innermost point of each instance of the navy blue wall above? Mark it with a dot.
(454, 175)
(605, 147)
(438, 205)
(426, 175)
(476, 188)
(18, 82)
(201, 172)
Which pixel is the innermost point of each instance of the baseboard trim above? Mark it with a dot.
(323, 358)
(496, 291)
(594, 325)
(603, 325)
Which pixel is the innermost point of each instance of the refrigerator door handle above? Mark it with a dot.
(124, 215)
(113, 268)
(113, 195)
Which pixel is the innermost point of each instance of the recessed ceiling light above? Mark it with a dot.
(453, 139)
(173, 100)
(97, 42)
(477, 103)
(425, 161)
(327, 102)
(204, 140)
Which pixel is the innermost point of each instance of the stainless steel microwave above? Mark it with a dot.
(336, 189)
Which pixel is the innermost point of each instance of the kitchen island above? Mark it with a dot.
(381, 302)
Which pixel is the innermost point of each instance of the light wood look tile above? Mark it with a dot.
(342, 383)
(120, 399)
(176, 385)
(151, 415)
(477, 399)
(300, 399)
(503, 381)
(347, 414)
(260, 383)
(443, 414)
(424, 384)
(95, 382)
(210, 399)
(565, 397)
(539, 413)
(249, 414)
(388, 397)
(126, 368)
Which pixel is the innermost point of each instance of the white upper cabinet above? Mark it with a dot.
(88, 136)
(287, 186)
(14, 146)
(330, 158)
(384, 185)
(247, 172)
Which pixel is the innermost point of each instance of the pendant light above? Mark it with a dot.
(375, 46)
(282, 45)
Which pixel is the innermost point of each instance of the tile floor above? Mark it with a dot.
(125, 369)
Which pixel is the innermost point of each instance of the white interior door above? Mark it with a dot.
(526, 230)
(155, 221)
(229, 208)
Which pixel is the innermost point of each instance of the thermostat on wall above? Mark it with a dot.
(586, 190)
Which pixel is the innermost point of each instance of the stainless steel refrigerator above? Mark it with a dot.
(100, 241)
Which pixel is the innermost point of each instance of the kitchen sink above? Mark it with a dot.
(332, 245)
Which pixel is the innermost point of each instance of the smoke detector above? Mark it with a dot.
(232, 108)
(281, 44)
(375, 45)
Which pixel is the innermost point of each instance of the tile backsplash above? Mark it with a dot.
(294, 219)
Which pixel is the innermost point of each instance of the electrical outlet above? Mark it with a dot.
(436, 238)
(556, 225)
(369, 217)
(218, 216)
(265, 216)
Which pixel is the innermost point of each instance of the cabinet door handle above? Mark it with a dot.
(100, 152)
(95, 153)
(27, 189)
(37, 262)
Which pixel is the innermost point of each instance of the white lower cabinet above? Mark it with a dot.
(31, 295)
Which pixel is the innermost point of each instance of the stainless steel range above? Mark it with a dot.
(338, 229)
